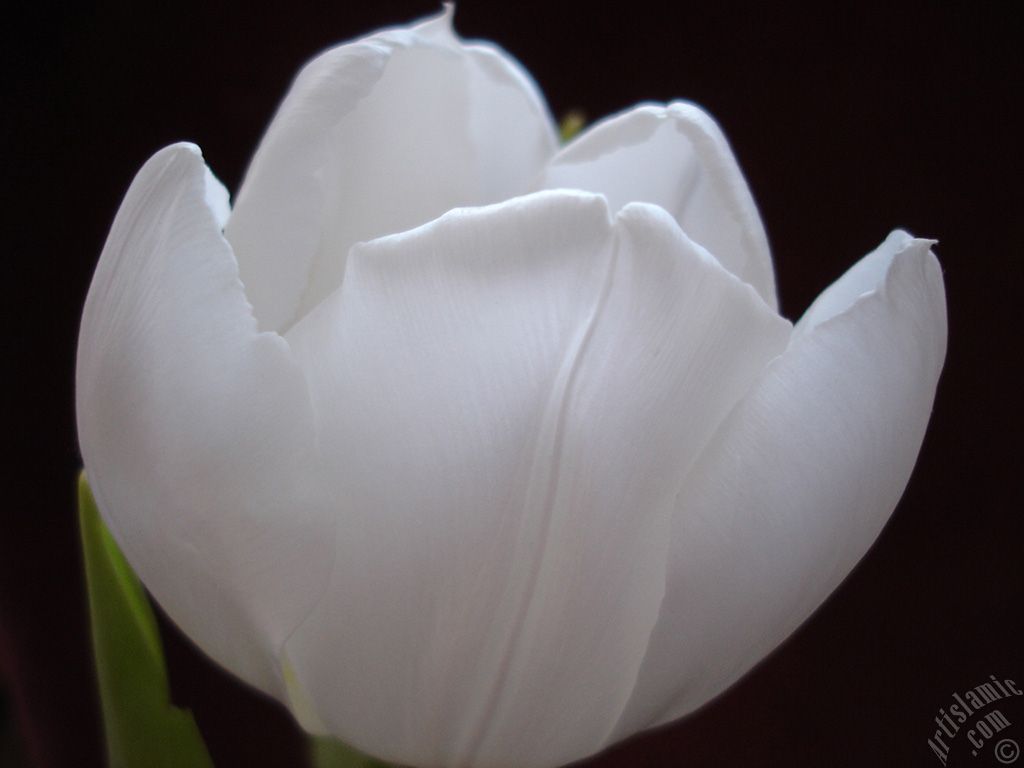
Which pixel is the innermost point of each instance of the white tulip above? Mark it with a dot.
(475, 451)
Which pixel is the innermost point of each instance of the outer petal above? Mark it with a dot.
(197, 431)
(510, 398)
(862, 278)
(376, 137)
(798, 482)
(678, 158)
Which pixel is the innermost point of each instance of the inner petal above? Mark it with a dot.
(677, 158)
(377, 137)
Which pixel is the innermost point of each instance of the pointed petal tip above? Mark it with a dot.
(188, 157)
(180, 148)
(871, 275)
(912, 280)
(440, 26)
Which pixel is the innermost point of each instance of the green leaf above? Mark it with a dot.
(326, 752)
(572, 123)
(142, 727)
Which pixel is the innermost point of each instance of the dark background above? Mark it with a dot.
(848, 121)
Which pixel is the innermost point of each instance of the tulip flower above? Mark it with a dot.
(473, 450)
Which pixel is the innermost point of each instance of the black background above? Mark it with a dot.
(849, 120)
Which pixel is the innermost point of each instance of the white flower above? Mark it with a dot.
(478, 452)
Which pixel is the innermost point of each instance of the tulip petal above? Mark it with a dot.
(863, 277)
(376, 137)
(677, 157)
(798, 482)
(196, 429)
(510, 397)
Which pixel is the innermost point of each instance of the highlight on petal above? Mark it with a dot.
(796, 484)
(674, 156)
(532, 381)
(196, 429)
(375, 137)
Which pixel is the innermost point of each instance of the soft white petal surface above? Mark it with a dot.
(798, 481)
(376, 137)
(863, 277)
(197, 430)
(510, 397)
(676, 157)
